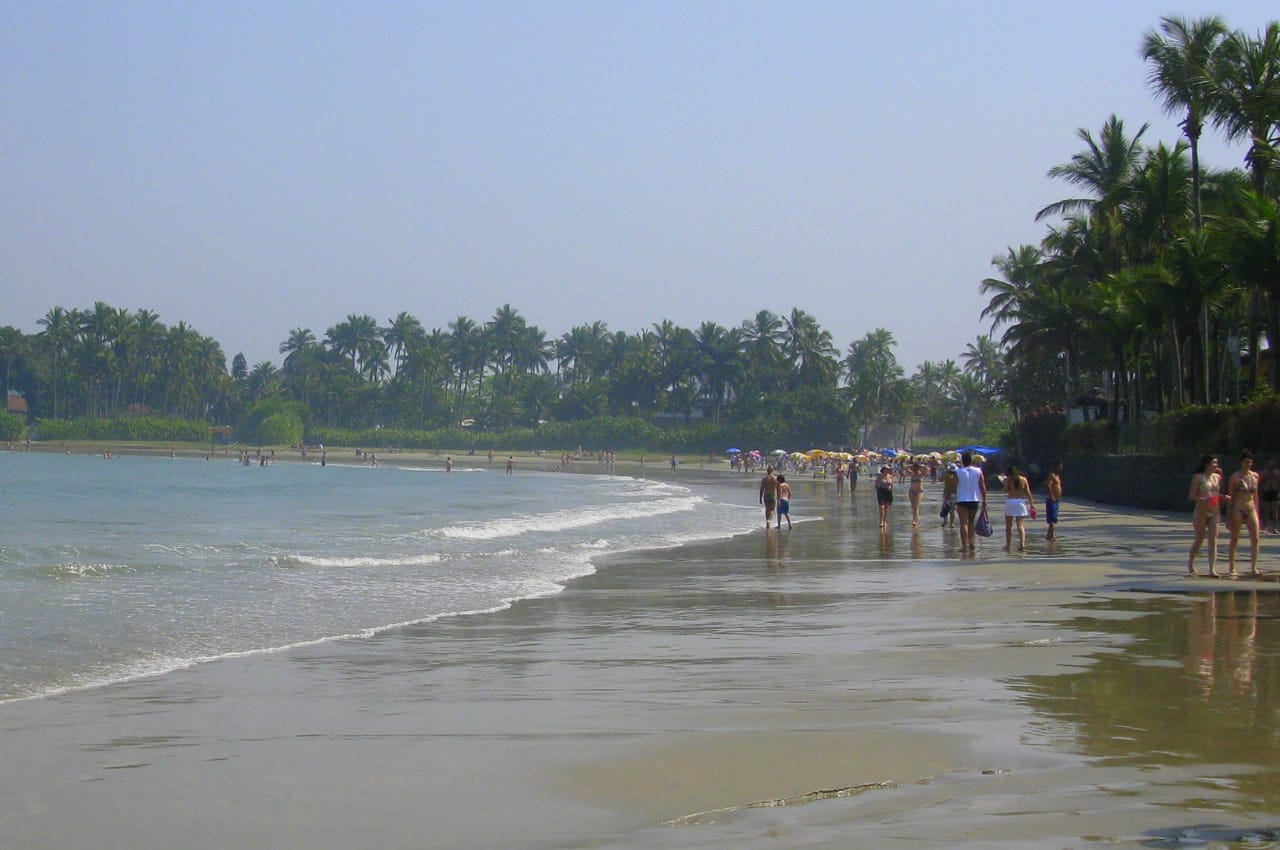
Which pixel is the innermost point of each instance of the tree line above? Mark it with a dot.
(1158, 279)
(108, 362)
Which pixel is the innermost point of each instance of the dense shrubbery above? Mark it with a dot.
(1190, 430)
(280, 429)
(11, 426)
(140, 429)
(287, 420)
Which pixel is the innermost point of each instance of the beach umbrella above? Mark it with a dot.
(733, 451)
(779, 451)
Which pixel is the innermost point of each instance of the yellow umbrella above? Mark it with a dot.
(817, 453)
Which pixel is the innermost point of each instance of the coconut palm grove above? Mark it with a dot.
(1154, 290)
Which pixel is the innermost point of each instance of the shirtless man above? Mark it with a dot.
(768, 494)
(1051, 500)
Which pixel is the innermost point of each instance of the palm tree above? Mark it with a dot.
(984, 360)
(1245, 97)
(720, 363)
(58, 336)
(763, 338)
(812, 354)
(13, 343)
(1182, 57)
(1019, 270)
(401, 333)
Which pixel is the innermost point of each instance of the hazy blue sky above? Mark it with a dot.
(251, 167)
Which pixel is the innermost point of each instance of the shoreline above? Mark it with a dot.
(705, 695)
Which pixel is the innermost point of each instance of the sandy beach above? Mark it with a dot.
(823, 687)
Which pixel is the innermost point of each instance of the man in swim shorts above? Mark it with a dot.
(768, 494)
(1051, 500)
(784, 501)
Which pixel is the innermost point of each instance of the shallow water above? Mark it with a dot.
(826, 687)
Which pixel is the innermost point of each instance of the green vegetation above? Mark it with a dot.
(1154, 289)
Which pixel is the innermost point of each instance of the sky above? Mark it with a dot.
(254, 167)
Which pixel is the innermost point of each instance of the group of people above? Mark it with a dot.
(775, 495)
(964, 496)
(1251, 502)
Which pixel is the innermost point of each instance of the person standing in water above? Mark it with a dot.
(884, 494)
(971, 497)
(1242, 495)
(1052, 499)
(1018, 505)
(915, 492)
(768, 494)
(1205, 484)
(784, 501)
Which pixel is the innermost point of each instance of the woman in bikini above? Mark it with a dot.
(1017, 507)
(1203, 492)
(1242, 491)
(915, 492)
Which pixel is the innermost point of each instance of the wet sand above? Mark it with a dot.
(823, 687)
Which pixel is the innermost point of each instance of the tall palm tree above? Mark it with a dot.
(400, 333)
(811, 351)
(1019, 272)
(984, 360)
(1245, 99)
(1182, 56)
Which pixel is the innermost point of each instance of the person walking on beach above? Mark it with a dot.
(915, 492)
(949, 483)
(784, 501)
(511, 464)
(768, 494)
(1051, 500)
(1018, 505)
(839, 477)
(1203, 493)
(1242, 496)
(1269, 494)
(884, 495)
(971, 497)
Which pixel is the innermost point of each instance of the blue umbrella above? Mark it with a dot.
(733, 451)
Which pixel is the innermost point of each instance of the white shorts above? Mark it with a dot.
(1017, 507)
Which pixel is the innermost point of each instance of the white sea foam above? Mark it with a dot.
(320, 561)
(566, 519)
(87, 570)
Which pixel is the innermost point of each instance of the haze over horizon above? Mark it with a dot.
(255, 167)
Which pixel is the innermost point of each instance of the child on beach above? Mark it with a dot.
(784, 501)
(1052, 499)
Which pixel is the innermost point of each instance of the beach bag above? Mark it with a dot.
(983, 524)
(1034, 513)
(945, 510)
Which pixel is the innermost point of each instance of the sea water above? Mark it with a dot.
(134, 566)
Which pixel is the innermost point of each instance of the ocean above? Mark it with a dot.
(136, 566)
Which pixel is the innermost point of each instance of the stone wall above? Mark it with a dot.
(1154, 482)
